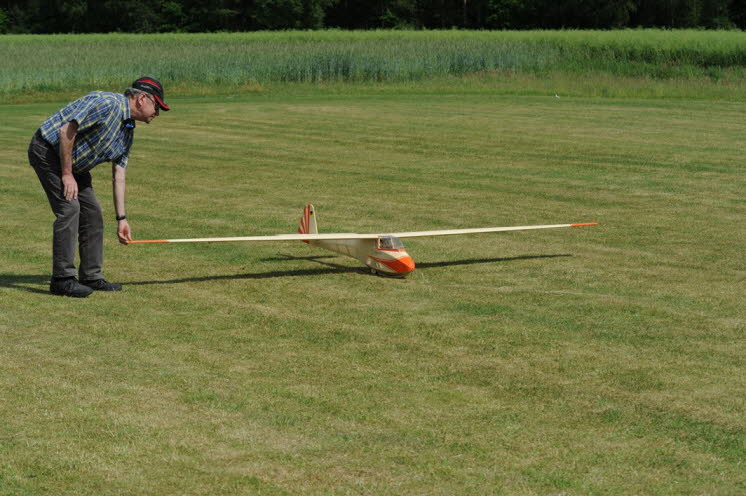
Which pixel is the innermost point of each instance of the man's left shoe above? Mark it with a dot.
(102, 285)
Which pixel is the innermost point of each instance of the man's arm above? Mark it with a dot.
(67, 138)
(118, 175)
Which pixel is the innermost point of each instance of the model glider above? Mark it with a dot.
(383, 253)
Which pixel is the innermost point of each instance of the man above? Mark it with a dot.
(96, 128)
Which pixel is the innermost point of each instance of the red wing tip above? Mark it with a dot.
(148, 241)
(584, 224)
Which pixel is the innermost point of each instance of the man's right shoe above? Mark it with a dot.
(102, 285)
(69, 287)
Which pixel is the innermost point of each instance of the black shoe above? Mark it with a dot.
(102, 285)
(69, 287)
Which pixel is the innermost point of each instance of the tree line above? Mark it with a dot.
(155, 16)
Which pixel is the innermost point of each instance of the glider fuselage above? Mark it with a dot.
(385, 254)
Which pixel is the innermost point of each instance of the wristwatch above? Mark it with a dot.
(121, 217)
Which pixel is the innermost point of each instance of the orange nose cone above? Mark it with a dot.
(407, 265)
(401, 265)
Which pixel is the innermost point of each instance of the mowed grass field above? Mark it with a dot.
(602, 360)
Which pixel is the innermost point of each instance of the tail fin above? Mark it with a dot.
(308, 221)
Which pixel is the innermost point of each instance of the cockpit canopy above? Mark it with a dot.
(389, 243)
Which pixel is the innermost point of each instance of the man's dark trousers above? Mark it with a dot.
(77, 220)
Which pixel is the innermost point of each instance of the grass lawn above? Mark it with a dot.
(602, 360)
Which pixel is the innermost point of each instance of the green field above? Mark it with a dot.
(602, 360)
(711, 63)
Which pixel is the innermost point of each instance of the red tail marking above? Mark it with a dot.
(305, 222)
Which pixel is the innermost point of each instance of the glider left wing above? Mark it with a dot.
(276, 237)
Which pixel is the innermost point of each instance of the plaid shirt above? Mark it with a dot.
(105, 129)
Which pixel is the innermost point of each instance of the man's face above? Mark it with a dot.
(148, 108)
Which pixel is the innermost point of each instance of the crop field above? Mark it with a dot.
(600, 360)
(713, 63)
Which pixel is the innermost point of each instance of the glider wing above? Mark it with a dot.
(342, 236)
(277, 237)
(450, 232)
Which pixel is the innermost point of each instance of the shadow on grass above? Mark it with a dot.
(332, 268)
(39, 283)
(25, 282)
(430, 265)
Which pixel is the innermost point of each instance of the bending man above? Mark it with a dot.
(96, 128)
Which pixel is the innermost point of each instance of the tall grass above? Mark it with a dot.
(55, 62)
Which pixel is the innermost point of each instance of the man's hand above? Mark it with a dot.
(123, 231)
(70, 187)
